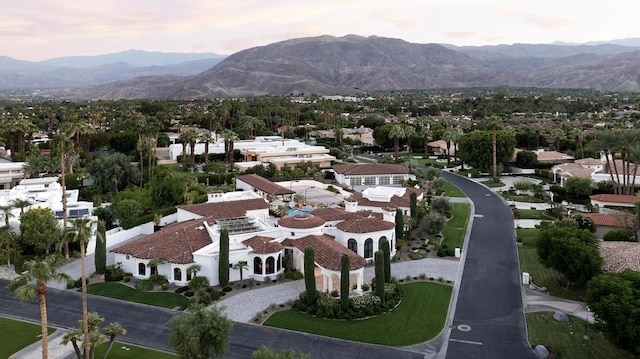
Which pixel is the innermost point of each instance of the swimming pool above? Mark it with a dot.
(292, 212)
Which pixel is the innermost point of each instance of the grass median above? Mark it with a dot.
(420, 316)
(17, 335)
(124, 292)
(455, 229)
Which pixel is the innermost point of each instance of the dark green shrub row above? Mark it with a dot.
(619, 234)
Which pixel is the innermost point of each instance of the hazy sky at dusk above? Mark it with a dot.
(42, 29)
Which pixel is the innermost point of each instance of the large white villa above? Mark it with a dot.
(281, 152)
(261, 245)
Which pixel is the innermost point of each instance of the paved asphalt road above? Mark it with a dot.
(148, 326)
(489, 317)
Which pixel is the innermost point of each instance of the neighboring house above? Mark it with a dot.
(439, 148)
(10, 174)
(43, 192)
(553, 156)
(266, 189)
(614, 200)
(378, 199)
(365, 175)
(597, 170)
(605, 222)
(195, 239)
(280, 151)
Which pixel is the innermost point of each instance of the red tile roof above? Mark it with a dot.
(364, 225)
(339, 214)
(175, 243)
(372, 169)
(327, 252)
(227, 209)
(615, 198)
(264, 184)
(610, 220)
(262, 245)
(301, 221)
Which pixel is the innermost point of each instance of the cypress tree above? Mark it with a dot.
(413, 204)
(379, 267)
(309, 275)
(399, 225)
(223, 261)
(386, 251)
(100, 256)
(344, 282)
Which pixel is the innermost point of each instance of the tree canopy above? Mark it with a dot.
(475, 148)
(202, 333)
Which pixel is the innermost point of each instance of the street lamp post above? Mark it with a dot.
(305, 195)
(586, 324)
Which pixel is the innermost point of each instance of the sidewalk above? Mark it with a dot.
(56, 350)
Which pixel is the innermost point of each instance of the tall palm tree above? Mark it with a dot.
(537, 129)
(447, 136)
(32, 283)
(494, 122)
(81, 232)
(396, 133)
(63, 145)
(409, 131)
(608, 142)
(426, 132)
(456, 136)
(558, 135)
(229, 137)
(207, 138)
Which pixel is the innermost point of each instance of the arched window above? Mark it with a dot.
(271, 265)
(352, 244)
(279, 263)
(257, 265)
(368, 248)
(177, 274)
(142, 269)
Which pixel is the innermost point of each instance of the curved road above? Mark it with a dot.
(489, 316)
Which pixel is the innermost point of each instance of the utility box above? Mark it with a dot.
(526, 278)
(457, 252)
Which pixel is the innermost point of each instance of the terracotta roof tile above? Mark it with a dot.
(339, 214)
(371, 169)
(327, 252)
(615, 198)
(262, 245)
(228, 209)
(610, 220)
(175, 243)
(264, 184)
(364, 225)
(301, 221)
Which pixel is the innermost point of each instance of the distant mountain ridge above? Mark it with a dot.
(75, 71)
(354, 64)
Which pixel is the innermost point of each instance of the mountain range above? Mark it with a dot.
(354, 64)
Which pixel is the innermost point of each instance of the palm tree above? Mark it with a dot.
(63, 145)
(229, 136)
(396, 132)
(39, 272)
(7, 211)
(448, 137)
(494, 122)
(537, 129)
(8, 243)
(608, 142)
(456, 135)
(558, 135)
(112, 331)
(20, 203)
(190, 137)
(409, 131)
(207, 138)
(193, 270)
(81, 232)
(241, 266)
(426, 132)
(154, 263)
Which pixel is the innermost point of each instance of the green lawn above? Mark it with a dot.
(541, 275)
(567, 338)
(533, 214)
(456, 227)
(124, 292)
(492, 184)
(449, 190)
(126, 351)
(16, 335)
(420, 316)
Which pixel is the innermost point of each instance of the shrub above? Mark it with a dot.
(227, 289)
(189, 294)
(126, 279)
(164, 286)
(114, 273)
(619, 234)
(144, 285)
(215, 295)
(365, 287)
(158, 279)
(418, 254)
(205, 300)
